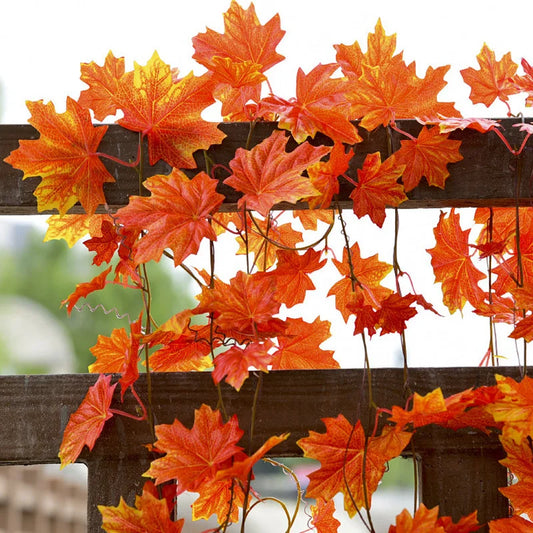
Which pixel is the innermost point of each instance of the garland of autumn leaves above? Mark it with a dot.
(242, 329)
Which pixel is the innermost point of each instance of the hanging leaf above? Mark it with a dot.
(84, 289)
(87, 422)
(322, 516)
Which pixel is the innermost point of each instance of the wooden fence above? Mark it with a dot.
(35, 409)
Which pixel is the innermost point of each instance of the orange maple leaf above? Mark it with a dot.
(369, 273)
(514, 524)
(65, 156)
(104, 85)
(424, 520)
(453, 266)
(427, 155)
(394, 312)
(86, 423)
(292, 274)
(466, 523)
(377, 187)
(299, 346)
(223, 498)
(523, 329)
(234, 364)
(267, 174)
(322, 516)
(341, 452)
(243, 309)
(72, 228)
(86, 288)
(525, 83)
(320, 106)
(494, 79)
(168, 112)
(193, 456)
(105, 244)
(149, 515)
(175, 216)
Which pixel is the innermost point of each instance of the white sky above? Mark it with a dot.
(42, 44)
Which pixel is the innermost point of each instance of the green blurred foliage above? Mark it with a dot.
(48, 272)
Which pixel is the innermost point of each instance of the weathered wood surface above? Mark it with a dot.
(487, 175)
(35, 410)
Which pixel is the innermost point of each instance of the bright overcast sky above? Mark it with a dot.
(43, 42)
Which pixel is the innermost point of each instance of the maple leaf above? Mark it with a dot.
(299, 346)
(494, 79)
(320, 106)
(221, 497)
(324, 176)
(427, 155)
(244, 39)
(65, 156)
(322, 516)
(309, 218)
(523, 329)
(341, 452)
(267, 174)
(449, 124)
(176, 215)
(243, 309)
(292, 274)
(101, 96)
(71, 228)
(368, 272)
(394, 312)
(86, 423)
(86, 288)
(514, 524)
(466, 524)
(233, 364)
(525, 83)
(168, 112)
(453, 266)
(377, 188)
(424, 520)
(193, 456)
(150, 515)
(428, 409)
(105, 244)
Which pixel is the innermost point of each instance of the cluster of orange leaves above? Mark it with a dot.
(244, 330)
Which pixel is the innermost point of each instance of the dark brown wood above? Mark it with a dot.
(35, 410)
(487, 175)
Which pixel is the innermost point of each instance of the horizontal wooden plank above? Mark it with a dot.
(486, 175)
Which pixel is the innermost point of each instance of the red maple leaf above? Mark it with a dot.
(424, 520)
(86, 423)
(377, 187)
(175, 216)
(86, 288)
(320, 106)
(525, 82)
(344, 452)
(514, 524)
(494, 79)
(322, 516)
(65, 156)
(221, 497)
(428, 155)
(193, 456)
(453, 266)
(267, 174)
(299, 346)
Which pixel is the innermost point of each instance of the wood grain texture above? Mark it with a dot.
(487, 175)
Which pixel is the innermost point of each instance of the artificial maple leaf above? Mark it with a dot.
(449, 124)
(427, 155)
(86, 423)
(150, 515)
(222, 497)
(424, 520)
(453, 266)
(234, 364)
(193, 456)
(520, 494)
(525, 83)
(267, 174)
(494, 79)
(514, 524)
(466, 523)
(168, 112)
(105, 244)
(380, 52)
(320, 106)
(523, 329)
(515, 408)
(322, 516)
(244, 39)
(341, 452)
(86, 288)
(309, 218)
(394, 312)
(369, 273)
(101, 96)
(292, 274)
(175, 216)
(71, 228)
(65, 156)
(299, 346)
(377, 187)
(324, 176)
(243, 309)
